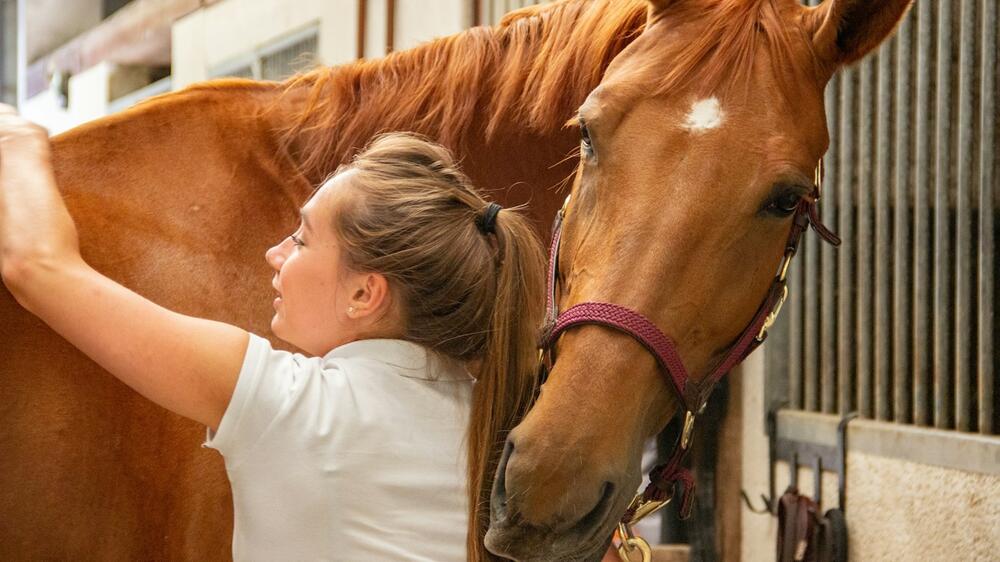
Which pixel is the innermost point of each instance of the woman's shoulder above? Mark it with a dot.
(395, 357)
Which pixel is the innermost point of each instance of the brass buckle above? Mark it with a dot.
(773, 316)
(783, 270)
(688, 427)
(642, 508)
(629, 544)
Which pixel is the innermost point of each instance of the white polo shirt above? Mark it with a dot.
(355, 456)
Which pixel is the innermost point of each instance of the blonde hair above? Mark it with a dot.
(462, 290)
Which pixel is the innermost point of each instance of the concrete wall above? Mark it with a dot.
(896, 509)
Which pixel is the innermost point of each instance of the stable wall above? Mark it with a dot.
(213, 37)
(897, 508)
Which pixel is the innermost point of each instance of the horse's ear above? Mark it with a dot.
(843, 31)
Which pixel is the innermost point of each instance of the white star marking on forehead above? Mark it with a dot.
(704, 115)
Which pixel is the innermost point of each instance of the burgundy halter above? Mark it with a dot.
(692, 395)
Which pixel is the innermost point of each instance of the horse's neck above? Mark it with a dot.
(498, 97)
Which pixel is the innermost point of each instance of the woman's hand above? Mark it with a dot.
(35, 226)
(186, 364)
(15, 130)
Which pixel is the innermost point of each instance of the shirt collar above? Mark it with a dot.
(408, 358)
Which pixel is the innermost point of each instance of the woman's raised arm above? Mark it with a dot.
(187, 365)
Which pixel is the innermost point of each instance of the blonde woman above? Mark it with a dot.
(377, 443)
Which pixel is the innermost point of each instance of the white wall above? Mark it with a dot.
(213, 36)
(223, 33)
(418, 21)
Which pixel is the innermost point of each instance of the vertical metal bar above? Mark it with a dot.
(987, 206)
(902, 250)
(963, 316)
(863, 336)
(922, 413)
(942, 225)
(794, 304)
(810, 333)
(846, 196)
(883, 238)
(827, 311)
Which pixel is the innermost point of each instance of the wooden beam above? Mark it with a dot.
(477, 13)
(362, 24)
(390, 25)
(138, 34)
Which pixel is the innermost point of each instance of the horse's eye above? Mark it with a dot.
(785, 204)
(585, 142)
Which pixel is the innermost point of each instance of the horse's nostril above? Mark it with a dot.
(500, 484)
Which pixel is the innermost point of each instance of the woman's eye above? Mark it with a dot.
(296, 240)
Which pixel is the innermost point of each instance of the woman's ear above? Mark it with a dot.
(843, 31)
(371, 297)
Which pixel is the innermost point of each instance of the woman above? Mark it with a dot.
(375, 446)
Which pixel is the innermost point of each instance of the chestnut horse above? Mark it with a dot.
(698, 146)
(179, 197)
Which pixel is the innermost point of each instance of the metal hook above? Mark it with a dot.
(761, 511)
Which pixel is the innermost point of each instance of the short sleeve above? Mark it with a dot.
(268, 383)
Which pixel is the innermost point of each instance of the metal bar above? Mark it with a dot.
(902, 250)
(963, 313)
(810, 332)
(933, 447)
(922, 413)
(827, 312)
(883, 238)
(863, 336)
(942, 228)
(987, 205)
(794, 304)
(846, 195)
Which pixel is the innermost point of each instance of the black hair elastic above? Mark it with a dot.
(487, 220)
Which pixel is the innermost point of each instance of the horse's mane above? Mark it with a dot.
(530, 70)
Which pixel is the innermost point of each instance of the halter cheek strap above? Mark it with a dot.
(691, 394)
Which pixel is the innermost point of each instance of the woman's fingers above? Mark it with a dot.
(13, 126)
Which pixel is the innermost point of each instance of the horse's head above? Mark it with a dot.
(698, 146)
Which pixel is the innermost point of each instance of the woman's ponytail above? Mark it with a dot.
(506, 380)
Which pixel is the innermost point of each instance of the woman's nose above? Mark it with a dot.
(275, 256)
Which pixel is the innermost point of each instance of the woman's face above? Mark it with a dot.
(315, 289)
